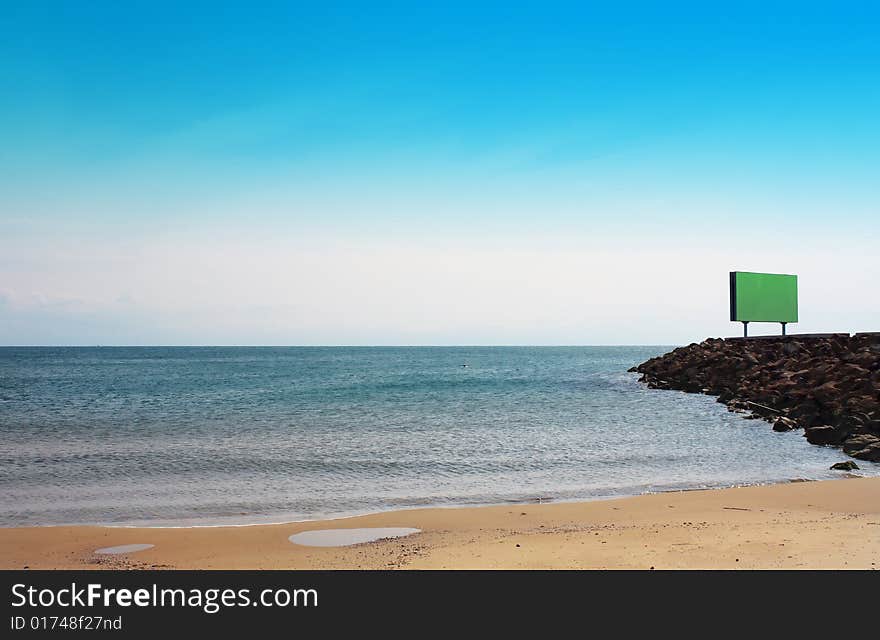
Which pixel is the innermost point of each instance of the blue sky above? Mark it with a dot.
(382, 173)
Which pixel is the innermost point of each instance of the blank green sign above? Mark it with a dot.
(763, 297)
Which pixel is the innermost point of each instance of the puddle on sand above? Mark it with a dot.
(347, 537)
(124, 548)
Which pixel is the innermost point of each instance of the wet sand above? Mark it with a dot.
(832, 524)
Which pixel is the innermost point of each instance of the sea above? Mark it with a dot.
(203, 436)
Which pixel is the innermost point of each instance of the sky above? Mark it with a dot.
(403, 173)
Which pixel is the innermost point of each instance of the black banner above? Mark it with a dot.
(257, 603)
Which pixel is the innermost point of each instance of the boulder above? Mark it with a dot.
(823, 434)
(784, 424)
(856, 443)
(849, 465)
(863, 447)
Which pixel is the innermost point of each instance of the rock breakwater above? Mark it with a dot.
(828, 385)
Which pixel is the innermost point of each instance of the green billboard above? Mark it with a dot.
(763, 297)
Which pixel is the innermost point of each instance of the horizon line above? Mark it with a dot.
(309, 346)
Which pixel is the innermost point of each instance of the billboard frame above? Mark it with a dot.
(733, 300)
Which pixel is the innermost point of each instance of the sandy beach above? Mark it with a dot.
(831, 524)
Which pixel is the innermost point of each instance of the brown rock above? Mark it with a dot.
(863, 447)
(823, 434)
(784, 424)
(856, 443)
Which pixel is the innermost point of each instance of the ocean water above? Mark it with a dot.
(236, 435)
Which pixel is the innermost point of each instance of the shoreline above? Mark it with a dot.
(334, 517)
(812, 524)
